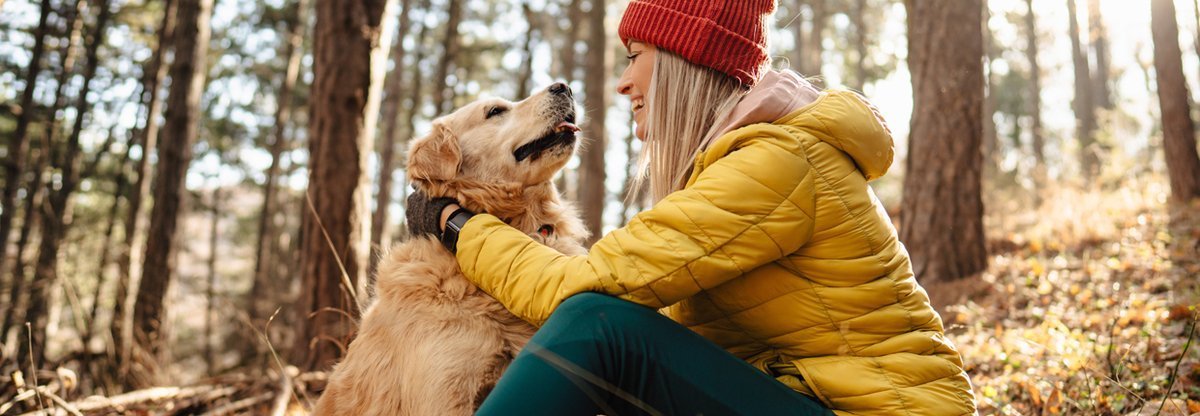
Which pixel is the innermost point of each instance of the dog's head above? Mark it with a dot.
(495, 141)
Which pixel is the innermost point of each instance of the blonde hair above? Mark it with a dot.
(687, 104)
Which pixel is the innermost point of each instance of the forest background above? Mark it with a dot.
(188, 182)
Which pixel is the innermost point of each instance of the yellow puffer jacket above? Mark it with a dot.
(776, 250)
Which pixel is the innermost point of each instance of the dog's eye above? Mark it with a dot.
(495, 111)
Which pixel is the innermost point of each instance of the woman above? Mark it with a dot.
(783, 279)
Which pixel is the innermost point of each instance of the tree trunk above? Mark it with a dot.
(942, 211)
(120, 186)
(14, 168)
(262, 293)
(592, 193)
(1196, 11)
(210, 359)
(815, 47)
(392, 138)
(526, 73)
(1084, 104)
(858, 19)
(347, 73)
(990, 144)
(627, 200)
(1179, 135)
(795, 25)
(152, 77)
(569, 69)
(54, 226)
(570, 59)
(450, 47)
(1102, 94)
(182, 119)
(414, 89)
(37, 191)
(1035, 87)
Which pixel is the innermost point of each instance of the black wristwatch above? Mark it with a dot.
(454, 225)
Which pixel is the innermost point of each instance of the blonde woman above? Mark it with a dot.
(784, 287)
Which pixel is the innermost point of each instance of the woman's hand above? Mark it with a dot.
(427, 216)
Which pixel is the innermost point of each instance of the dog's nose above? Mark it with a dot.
(560, 89)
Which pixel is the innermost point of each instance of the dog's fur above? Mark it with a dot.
(431, 343)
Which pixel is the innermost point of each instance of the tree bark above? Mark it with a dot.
(55, 224)
(1035, 87)
(182, 118)
(1099, 41)
(14, 168)
(154, 74)
(942, 211)
(450, 47)
(262, 292)
(592, 193)
(348, 64)
(1084, 104)
(1179, 134)
(392, 138)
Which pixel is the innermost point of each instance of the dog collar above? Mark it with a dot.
(546, 230)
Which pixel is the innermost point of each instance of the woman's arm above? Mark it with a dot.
(750, 207)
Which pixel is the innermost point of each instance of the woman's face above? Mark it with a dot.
(635, 82)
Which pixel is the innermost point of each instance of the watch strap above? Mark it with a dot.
(454, 224)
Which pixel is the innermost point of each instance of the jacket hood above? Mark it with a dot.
(843, 119)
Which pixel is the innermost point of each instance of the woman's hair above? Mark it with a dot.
(687, 104)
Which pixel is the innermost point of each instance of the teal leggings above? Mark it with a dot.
(601, 355)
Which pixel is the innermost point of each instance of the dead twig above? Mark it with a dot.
(146, 397)
(284, 371)
(336, 257)
(239, 405)
(68, 407)
(33, 366)
(1175, 371)
(279, 408)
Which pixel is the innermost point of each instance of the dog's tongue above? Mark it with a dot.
(566, 126)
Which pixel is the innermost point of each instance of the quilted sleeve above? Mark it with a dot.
(748, 208)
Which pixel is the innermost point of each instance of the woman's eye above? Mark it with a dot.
(495, 111)
(631, 56)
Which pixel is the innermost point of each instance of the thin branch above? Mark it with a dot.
(1175, 371)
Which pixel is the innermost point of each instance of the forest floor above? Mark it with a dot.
(1089, 307)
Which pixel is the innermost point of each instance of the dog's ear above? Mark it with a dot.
(435, 157)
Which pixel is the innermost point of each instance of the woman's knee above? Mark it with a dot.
(588, 302)
(608, 312)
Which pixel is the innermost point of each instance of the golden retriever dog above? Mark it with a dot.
(431, 343)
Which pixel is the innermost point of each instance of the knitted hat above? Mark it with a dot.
(726, 35)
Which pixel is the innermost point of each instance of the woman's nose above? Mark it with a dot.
(624, 85)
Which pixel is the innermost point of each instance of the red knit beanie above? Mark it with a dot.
(726, 35)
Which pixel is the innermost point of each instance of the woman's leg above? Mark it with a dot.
(601, 355)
